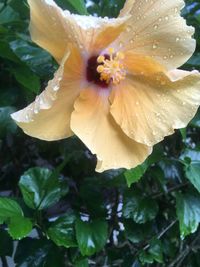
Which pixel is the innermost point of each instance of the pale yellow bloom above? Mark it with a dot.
(117, 87)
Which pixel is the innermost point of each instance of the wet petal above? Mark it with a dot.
(48, 118)
(96, 33)
(156, 29)
(141, 65)
(93, 124)
(53, 29)
(150, 108)
(48, 27)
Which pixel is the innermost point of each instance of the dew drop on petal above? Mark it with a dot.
(121, 44)
(155, 27)
(155, 46)
(56, 88)
(128, 28)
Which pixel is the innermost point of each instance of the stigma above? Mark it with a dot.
(111, 68)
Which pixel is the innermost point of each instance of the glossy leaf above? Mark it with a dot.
(62, 231)
(6, 123)
(91, 236)
(138, 208)
(38, 253)
(40, 188)
(134, 175)
(19, 227)
(188, 212)
(192, 172)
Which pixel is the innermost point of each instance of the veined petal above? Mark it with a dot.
(156, 29)
(48, 118)
(93, 124)
(53, 29)
(141, 65)
(95, 33)
(148, 108)
(48, 27)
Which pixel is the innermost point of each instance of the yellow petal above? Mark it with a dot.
(156, 29)
(95, 33)
(150, 108)
(93, 124)
(48, 27)
(48, 118)
(141, 65)
(53, 29)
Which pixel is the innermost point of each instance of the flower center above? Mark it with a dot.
(105, 69)
(111, 68)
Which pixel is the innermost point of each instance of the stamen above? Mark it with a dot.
(111, 70)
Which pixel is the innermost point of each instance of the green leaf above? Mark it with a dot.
(196, 120)
(145, 257)
(7, 125)
(134, 175)
(9, 208)
(137, 232)
(7, 53)
(40, 189)
(188, 212)
(139, 208)
(75, 6)
(8, 15)
(154, 253)
(81, 263)
(38, 60)
(79, 5)
(12, 214)
(91, 236)
(27, 78)
(6, 244)
(38, 253)
(19, 227)
(156, 250)
(62, 231)
(192, 172)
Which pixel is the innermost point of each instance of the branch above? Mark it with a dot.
(160, 235)
(180, 257)
(172, 189)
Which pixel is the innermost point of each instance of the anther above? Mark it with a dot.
(111, 69)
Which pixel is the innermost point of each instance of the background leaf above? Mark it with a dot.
(91, 236)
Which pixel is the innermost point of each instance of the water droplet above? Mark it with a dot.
(166, 18)
(56, 88)
(177, 39)
(165, 57)
(155, 26)
(128, 28)
(155, 46)
(131, 41)
(121, 44)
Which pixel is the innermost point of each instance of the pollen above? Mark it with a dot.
(111, 68)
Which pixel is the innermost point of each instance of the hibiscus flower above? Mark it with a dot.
(117, 86)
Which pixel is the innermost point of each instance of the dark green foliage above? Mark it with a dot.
(52, 201)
